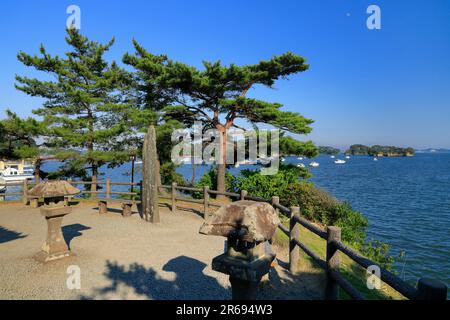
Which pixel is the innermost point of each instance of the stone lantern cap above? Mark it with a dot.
(53, 189)
(248, 220)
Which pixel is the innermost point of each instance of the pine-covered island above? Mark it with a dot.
(329, 150)
(379, 151)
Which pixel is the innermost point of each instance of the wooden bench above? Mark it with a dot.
(126, 205)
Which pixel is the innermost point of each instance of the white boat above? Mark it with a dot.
(314, 164)
(265, 161)
(2, 185)
(283, 159)
(300, 158)
(340, 161)
(248, 162)
(375, 159)
(332, 157)
(300, 165)
(13, 175)
(347, 157)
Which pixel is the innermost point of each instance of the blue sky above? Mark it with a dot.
(388, 86)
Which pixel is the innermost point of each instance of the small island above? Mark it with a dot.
(329, 150)
(379, 151)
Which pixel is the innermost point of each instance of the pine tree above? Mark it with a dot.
(18, 137)
(90, 122)
(154, 96)
(217, 96)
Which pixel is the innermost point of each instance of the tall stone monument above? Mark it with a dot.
(149, 177)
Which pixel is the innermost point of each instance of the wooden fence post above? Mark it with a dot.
(174, 199)
(108, 188)
(206, 202)
(429, 289)
(94, 188)
(25, 192)
(275, 200)
(294, 233)
(333, 262)
(141, 196)
(244, 193)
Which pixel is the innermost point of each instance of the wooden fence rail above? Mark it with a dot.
(107, 191)
(427, 289)
(334, 247)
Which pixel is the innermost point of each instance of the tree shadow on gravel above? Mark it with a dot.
(73, 231)
(7, 235)
(190, 283)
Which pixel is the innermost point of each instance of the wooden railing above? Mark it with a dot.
(426, 290)
(107, 191)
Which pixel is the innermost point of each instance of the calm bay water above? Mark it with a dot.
(407, 202)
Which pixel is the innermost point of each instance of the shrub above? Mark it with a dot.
(352, 223)
(210, 179)
(315, 204)
(262, 186)
(378, 251)
(169, 174)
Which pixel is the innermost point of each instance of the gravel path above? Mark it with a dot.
(123, 258)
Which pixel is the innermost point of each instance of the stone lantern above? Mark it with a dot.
(248, 226)
(54, 210)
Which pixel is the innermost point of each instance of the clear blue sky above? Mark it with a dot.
(388, 86)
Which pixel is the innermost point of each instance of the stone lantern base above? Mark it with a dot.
(44, 257)
(55, 246)
(245, 275)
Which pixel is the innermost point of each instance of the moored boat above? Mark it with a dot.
(2, 185)
(13, 174)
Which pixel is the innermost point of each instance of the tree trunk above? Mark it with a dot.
(90, 148)
(221, 170)
(193, 171)
(37, 171)
(94, 181)
(221, 167)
